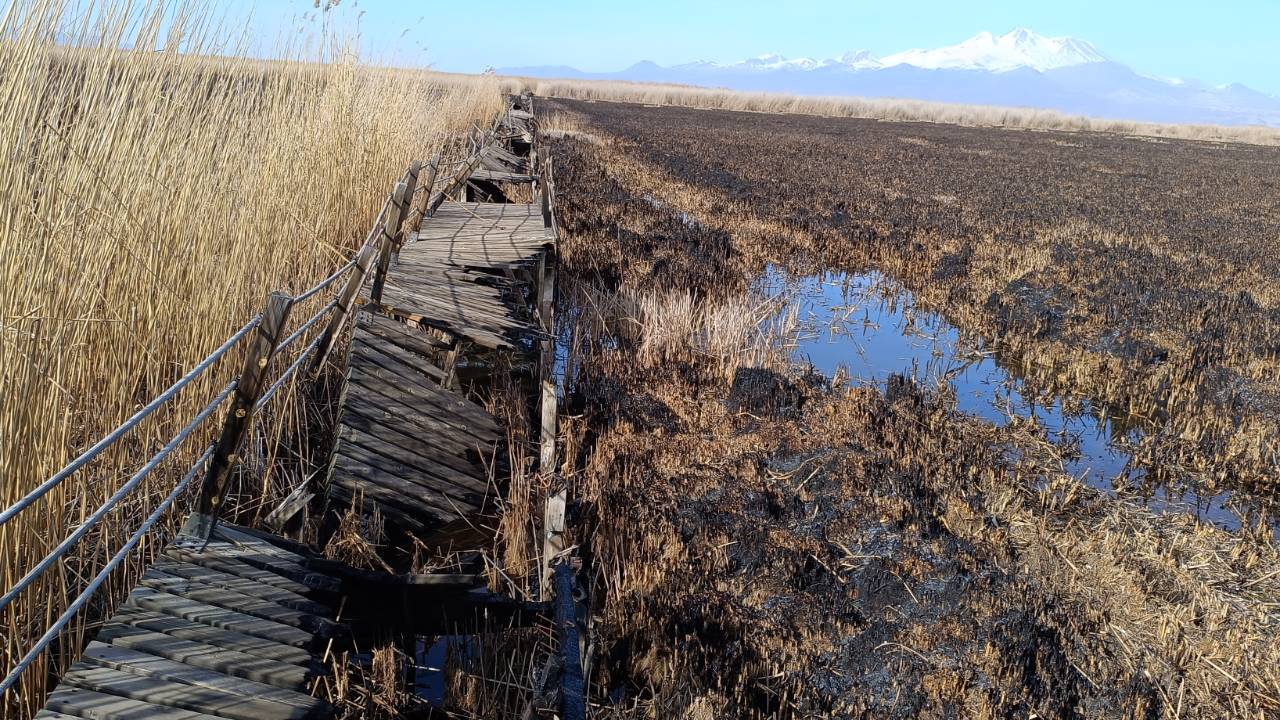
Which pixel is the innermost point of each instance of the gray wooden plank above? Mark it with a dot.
(77, 702)
(406, 520)
(410, 338)
(387, 490)
(177, 568)
(409, 438)
(159, 602)
(215, 561)
(440, 477)
(363, 462)
(460, 442)
(182, 696)
(239, 602)
(468, 421)
(209, 635)
(230, 534)
(203, 666)
(454, 408)
(388, 355)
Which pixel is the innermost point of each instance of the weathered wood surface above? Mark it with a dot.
(406, 442)
(210, 632)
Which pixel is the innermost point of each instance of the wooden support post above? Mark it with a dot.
(387, 243)
(253, 381)
(552, 539)
(545, 185)
(428, 186)
(358, 274)
(553, 513)
(410, 186)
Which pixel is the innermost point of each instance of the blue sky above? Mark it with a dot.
(1219, 42)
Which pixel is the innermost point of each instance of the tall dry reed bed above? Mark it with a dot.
(151, 199)
(767, 545)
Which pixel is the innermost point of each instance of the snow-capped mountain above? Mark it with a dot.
(1017, 49)
(1019, 68)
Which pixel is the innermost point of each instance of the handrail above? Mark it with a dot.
(111, 502)
(78, 535)
(11, 511)
(83, 599)
(327, 281)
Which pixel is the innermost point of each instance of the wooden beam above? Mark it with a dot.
(253, 381)
(387, 243)
(348, 297)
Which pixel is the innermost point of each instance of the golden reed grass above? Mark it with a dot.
(891, 109)
(152, 198)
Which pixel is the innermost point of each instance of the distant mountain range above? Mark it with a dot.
(1019, 68)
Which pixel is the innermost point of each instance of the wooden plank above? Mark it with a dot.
(410, 496)
(359, 484)
(269, 563)
(362, 343)
(185, 697)
(179, 569)
(482, 338)
(440, 296)
(429, 489)
(236, 537)
(406, 520)
(165, 658)
(432, 474)
(414, 442)
(455, 409)
(391, 402)
(208, 635)
(231, 566)
(469, 420)
(394, 331)
(239, 602)
(153, 600)
(80, 703)
(476, 330)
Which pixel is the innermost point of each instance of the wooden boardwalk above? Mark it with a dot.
(225, 631)
(238, 628)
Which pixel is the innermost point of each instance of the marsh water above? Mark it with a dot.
(866, 327)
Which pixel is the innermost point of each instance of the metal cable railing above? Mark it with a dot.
(84, 528)
(124, 428)
(111, 502)
(85, 595)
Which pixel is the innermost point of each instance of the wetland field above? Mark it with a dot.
(896, 419)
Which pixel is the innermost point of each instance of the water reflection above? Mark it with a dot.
(866, 327)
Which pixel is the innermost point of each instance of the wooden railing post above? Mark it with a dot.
(410, 186)
(428, 185)
(387, 243)
(343, 311)
(253, 380)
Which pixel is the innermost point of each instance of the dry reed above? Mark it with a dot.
(151, 200)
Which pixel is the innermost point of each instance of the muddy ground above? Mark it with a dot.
(765, 543)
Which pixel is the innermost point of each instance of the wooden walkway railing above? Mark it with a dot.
(231, 622)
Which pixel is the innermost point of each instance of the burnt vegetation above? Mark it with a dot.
(767, 542)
